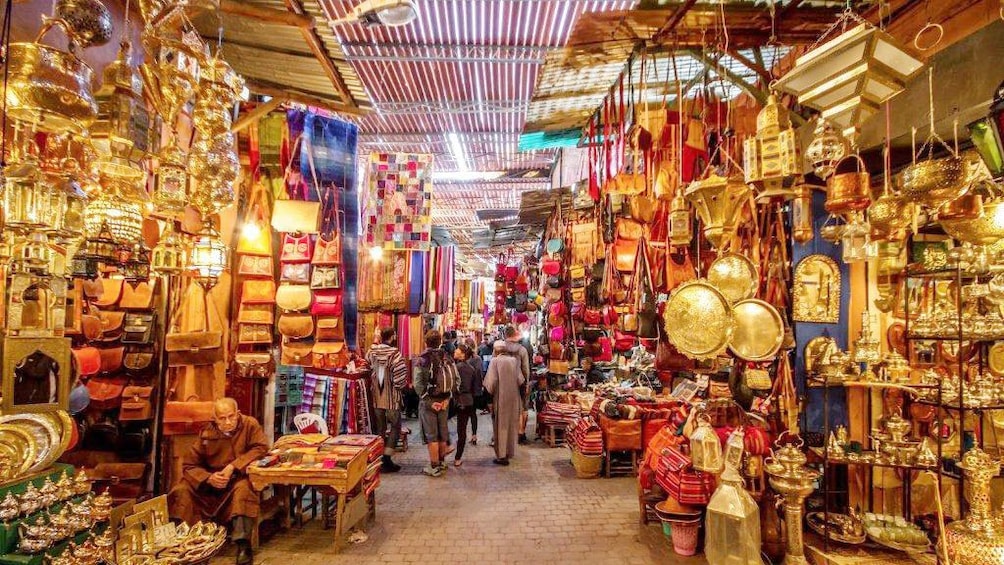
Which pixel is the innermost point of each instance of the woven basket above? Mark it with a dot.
(586, 466)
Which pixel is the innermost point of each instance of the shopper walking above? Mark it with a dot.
(514, 347)
(436, 382)
(477, 389)
(504, 381)
(390, 375)
(465, 399)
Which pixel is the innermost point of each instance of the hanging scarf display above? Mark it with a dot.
(399, 201)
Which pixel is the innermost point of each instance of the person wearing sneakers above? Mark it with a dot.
(436, 382)
(390, 375)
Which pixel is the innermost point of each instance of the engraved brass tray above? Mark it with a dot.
(995, 359)
(735, 276)
(759, 330)
(19, 445)
(698, 320)
(46, 434)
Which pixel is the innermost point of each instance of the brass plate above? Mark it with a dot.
(735, 276)
(22, 442)
(698, 320)
(64, 423)
(995, 359)
(45, 433)
(817, 351)
(759, 330)
(817, 290)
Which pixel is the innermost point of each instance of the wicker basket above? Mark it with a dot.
(586, 466)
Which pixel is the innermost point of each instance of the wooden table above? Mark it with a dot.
(346, 482)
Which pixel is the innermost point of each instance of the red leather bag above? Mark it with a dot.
(606, 350)
(592, 317)
(550, 267)
(623, 341)
(327, 303)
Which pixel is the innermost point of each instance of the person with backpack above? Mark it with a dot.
(389, 377)
(470, 379)
(436, 381)
(505, 381)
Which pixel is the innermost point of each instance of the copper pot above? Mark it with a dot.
(848, 191)
(48, 87)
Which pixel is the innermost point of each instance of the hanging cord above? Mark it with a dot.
(7, 16)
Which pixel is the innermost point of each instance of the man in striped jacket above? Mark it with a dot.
(390, 375)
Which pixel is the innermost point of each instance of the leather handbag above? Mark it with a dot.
(139, 297)
(328, 251)
(186, 417)
(93, 289)
(255, 314)
(297, 353)
(139, 328)
(257, 365)
(296, 248)
(592, 316)
(295, 273)
(248, 334)
(105, 393)
(326, 277)
(296, 216)
(330, 329)
(296, 326)
(330, 355)
(90, 324)
(88, 361)
(327, 303)
(293, 297)
(620, 435)
(193, 347)
(138, 362)
(623, 341)
(112, 323)
(257, 241)
(255, 266)
(102, 435)
(258, 292)
(629, 229)
(550, 267)
(111, 292)
(123, 481)
(606, 350)
(111, 359)
(625, 252)
(136, 404)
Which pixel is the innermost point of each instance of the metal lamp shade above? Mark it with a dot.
(168, 256)
(850, 76)
(718, 202)
(209, 257)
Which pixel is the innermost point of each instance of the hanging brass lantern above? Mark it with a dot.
(119, 208)
(137, 266)
(705, 447)
(169, 255)
(770, 159)
(215, 166)
(209, 257)
(25, 198)
(172, 75)
(681, 229)
(802, 230)
(856, 242)
(220, 88)
(100, 246)
(123, 119)
(170, 193)
(718, 202)
(825, 150)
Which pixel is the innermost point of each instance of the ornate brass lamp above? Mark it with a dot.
(718, 202)
(794, 481)
(124, 122)
(705, 447)
(120, 205)
(825, 150)
(681, 229)
(169, 255)
(25, 197)
(209, 257)
(770, 159)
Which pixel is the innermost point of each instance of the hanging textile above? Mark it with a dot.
(399, 203)
(416, 282)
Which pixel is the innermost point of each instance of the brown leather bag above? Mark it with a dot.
(330, 329)
(253, 365)
(193, 347)
(90, 324)
(111, 291)
(123, 481)
(112, 324)
(88, 361)
(186, 417)
(297, 353)
(330, 355)
(138, 362)
(111, 359)
(293, 297)
(249, 334)
(296, 326)
(136, 403)
(106, 394)
(258, 292)
(255, 314)
(139, 297)
(620, 435)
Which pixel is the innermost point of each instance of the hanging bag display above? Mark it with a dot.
(328, 250)
(258, 365)
(296, 248)
(138, 362)
(296, 216)
(111, 291)
(330, 355)
(327, 303)
(139, 297)
(326, 278)
(251, 334)
(258, 292)
(88, 361)
(297, 353)
(255, 313)
(295, 273)
(293, 297)
(111, 325)
(330, 329)
(256, 238)
(193, 347)
(139, 328)
(296, 326)
(255, 266)
(136, 404)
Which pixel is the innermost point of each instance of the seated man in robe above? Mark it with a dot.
(214, 485)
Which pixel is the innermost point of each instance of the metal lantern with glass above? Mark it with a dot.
(208, 258)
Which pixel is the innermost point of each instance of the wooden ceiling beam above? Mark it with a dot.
(268, 15)
(291, 95)
(759, 69)
(674, 19)
(317, 48)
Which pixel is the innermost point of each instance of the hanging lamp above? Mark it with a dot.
(209, 257)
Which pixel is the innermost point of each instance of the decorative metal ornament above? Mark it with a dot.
(817, 290)
(169, 255)
(789, 476)
(801, 214)
(735, 276)
(718, 202)
(987, 228)
(209, 257)
(25, 197)
(848, 190)
(123, 119)
(89, 21)
(856, 243)
(681, 228)
(825, 150)
(759, 330)
(170, 193)
(770, 159)
(698, 320)
(705, 447)
(977, 539)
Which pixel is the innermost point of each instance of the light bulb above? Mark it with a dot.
(376, 253)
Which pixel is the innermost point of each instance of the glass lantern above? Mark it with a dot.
(137, 266)
(825, 150)
(732, 523)
(801, 214)
(168, 257)
(122, 219)
(705, 447)
(25, 198)
(171, 184)
(73, 216)
(734, 448)
(681, 231)
(101, 246)
(209, 257)
(856, 241)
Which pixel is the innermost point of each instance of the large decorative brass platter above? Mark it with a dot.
(47, 437)
(698, 320)
(759, 330)
(735, 276)
(17, 446)
(817, 290)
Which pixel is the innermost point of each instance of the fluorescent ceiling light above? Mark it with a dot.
(391, 13)
(457, 150)
(466, 176)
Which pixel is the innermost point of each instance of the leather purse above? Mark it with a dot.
(550, 267)
(297, 353)
(93, 289)
(139, 297)
(248, 334)
(111, 291)
(330, 355)
(88, 360)
(629, 229)
(255, 314)
(625, 252)
(296, 248)
(111, 359)
(139, 328)
(326, 277)
(106, 394)
(194, 347)
(254, 266)
(112, 323)
(327, 303)
(623, 341)
(330, 329)
(253, 365)
(90, 324)
(137, 362)
(136, 404)
(295, 273)
(296, 326)
(186, 417)
(258, 292)
(328, 251)
(293, 297)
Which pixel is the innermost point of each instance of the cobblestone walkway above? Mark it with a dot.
(534, 511)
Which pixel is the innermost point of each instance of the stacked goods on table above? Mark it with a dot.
(585, 440)
(373, 446)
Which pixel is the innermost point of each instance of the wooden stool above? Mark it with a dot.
(554, 436)
(619, 466)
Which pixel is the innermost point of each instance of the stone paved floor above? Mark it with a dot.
(534, 511)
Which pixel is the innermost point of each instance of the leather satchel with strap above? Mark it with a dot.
(139, 297)
(328, 250)
(193, 347)
(136, 405)
(301, 215)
